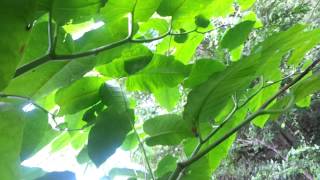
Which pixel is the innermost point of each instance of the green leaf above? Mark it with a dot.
(237, 35)
(297, 39)
(107, 135)
(132, 59)
(15, 17)
(31, 172)
(236, 53)
(162, 72)
(152, 28)
(74, 10)
(166, 165)
(51, 75)
(201, 21)
(259, 100)
(183, 12)
(37, 133)
(209, 98)
(167, 97)
(83, 156)
(62, 141)
(306, 87)
(91, 114)
(79, 95)
(131, 142)
(114, 172)
(113, 97)
(167, 129)
(252, 16)
(119, 8)
(11, 135)
(182, 52)
(98, 37)
(63, 175)
(202, 70)
(182, 37)
(246, 4)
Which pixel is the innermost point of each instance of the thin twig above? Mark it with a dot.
(53, 116)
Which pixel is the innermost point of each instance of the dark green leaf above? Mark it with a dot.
(107, 135)
(182, 37)
(201, 21)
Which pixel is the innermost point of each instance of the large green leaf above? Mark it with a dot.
(237, 35)
(79, 95)
(209, 98)
(161, 72)
(271, 51)
(11, 135)
(15, 17)
(202, 70)
(167, 129)
(107, 135)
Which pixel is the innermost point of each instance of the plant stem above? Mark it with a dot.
(182, 165)
(51, 56)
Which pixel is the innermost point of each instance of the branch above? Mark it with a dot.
(51, 56)
(182, 165)
(53, 116)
